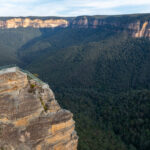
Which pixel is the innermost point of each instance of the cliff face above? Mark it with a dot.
(86, 22)
(136, 28)
(30, 117)
(140, 29)
(35, 23)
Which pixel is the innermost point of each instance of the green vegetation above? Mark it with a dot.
(102, 75)
(93, 80)
(32, 86)
(11, 40)
(110, 121)
(43, 104)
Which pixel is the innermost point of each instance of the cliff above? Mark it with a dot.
(30, 117)
(140, 29)
(136, 26)
(35, 23)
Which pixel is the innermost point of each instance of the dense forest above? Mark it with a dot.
(102, 75)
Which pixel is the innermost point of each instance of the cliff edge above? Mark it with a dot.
(35, 23)
(30, 117)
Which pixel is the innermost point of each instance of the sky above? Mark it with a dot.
(72, 7)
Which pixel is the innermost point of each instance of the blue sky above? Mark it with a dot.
(72, 7)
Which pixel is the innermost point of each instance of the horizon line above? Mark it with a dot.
(126, 14)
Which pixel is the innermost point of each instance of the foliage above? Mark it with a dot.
(43, 104)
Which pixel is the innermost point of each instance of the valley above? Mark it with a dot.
(98, 67)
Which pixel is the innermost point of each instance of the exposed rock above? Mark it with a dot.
(136, 28)
(90, 22)
(140, 29)
(30, 117)
(35, 23)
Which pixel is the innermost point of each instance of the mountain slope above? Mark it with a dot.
(11, 40)
(91, 77)
(119, 60)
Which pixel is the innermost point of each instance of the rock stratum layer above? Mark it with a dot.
(136, 26)
(35, 23)
(30, 117)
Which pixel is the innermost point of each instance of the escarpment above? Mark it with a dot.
(136, 26)
(140, 29)
(30, 117)
(35, 23)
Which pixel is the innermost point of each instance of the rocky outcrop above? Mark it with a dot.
(140, 29)
(30, 117)
(35, 23)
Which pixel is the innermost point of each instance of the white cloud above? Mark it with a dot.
(17, 1)
(69, 7)
(107, 3)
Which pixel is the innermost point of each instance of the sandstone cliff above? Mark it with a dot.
(136, 27)
(140, 29)
(35, 23)
(30, 117)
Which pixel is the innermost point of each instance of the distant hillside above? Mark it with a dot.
(11, 40)
(136, 25)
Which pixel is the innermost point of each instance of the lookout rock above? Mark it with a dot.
(30, 117)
